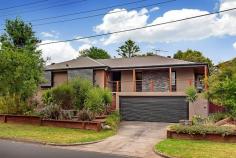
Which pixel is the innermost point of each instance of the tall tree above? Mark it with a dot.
(21, 63)
(194, 56)
(128, 49)
(222, 86)
(95, 53)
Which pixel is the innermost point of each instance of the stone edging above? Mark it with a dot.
(160, 154)
(51, 144)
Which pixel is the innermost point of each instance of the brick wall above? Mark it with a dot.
(160, 81)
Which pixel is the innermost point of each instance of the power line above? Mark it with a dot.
(139, 28)
(89, 11)
(23, 5)
(95, 15)
(45, 8)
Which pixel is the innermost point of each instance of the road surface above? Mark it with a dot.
(10, 149)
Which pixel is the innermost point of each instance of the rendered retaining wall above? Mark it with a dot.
(35, 120)
(209, 137)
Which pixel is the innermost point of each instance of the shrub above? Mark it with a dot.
(47, 97)
(203, 129)
(191, 94)
(51, 111)
(198, 120)
(215, 117)
(13, 105)
(61, 95)
(85, 115)
(94, 101)
(113, 120)
(107, 97)
(80, 91)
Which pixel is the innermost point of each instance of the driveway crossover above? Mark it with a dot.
(134, 139)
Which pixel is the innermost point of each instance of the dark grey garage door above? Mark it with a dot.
(154, 109)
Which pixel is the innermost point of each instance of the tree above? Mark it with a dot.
(194, 56)
(21, 63)
(129, 49)
(95, 53)
(222, 86)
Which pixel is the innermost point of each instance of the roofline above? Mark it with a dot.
(160, 66)
(64, 69)
(131, 67)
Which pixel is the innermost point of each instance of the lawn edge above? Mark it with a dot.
(51, 144)
(160, 153)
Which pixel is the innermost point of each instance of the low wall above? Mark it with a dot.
(35, 120)
(209, 137)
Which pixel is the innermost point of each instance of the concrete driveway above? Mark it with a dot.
(135, 139)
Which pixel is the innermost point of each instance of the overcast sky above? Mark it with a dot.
(214, 35)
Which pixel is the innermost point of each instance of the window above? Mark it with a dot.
(173, 80)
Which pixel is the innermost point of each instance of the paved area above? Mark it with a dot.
(133, 139)
(9, 149)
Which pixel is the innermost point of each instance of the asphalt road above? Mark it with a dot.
(9, 149)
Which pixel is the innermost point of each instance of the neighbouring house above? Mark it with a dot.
(148, 88)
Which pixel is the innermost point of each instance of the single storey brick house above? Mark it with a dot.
(144, 88)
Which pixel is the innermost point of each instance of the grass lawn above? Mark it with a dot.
(196, 149)
(51, 134)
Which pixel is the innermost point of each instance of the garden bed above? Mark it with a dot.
(35, 120)
(209, 137)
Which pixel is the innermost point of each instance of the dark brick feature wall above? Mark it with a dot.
(160, 81)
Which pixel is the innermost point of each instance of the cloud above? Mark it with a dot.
(195, 29)
(51, 34)
(234, 45)
(154, 9)
(86, 40)
(84, 46)
(58, 52)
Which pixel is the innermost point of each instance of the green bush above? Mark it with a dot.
(98, 100)
(61, 95)
(85, 115)
(80, 91)
(51, 111)
(13, 105)
(203, 129)
(113, 120)
(215, 117)
(191, 93)
(94, 101)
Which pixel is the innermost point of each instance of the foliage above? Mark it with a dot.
(107, 98)
(61, 95)
(196, 149)
(194, 56)
(51, 111)
(191, 93)
(51, 134)
(85, 115)
(113, 120)
(80, 90)
(8, 105)
(21, 62)
(129, 49)
(203, 129)
(215, 117)
(95, 53)
(198, 120)
(148, 54)
(95, 101)
(222, 87)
